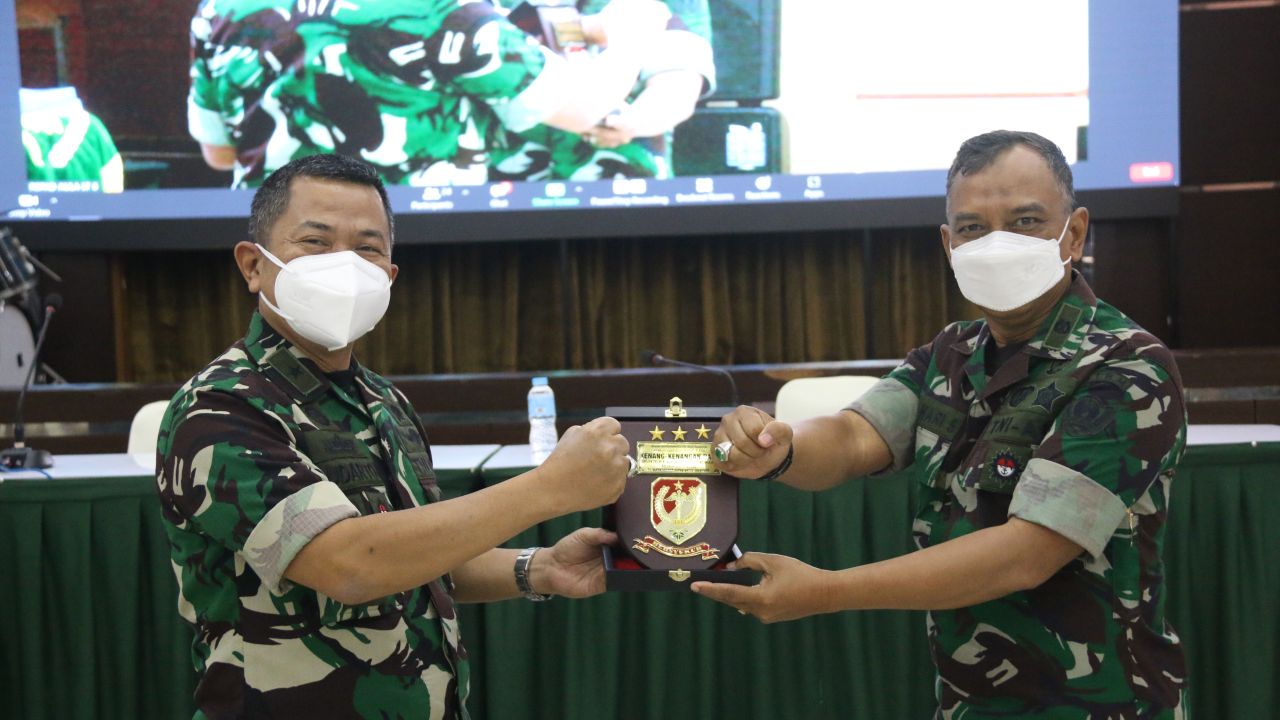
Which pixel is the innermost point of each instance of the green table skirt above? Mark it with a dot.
(89, 628)
(653, 655)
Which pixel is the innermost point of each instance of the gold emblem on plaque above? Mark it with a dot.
(674, 458)
(703, 432)
(679, 507)
(675, 409)
(701, 550)
(679, 575)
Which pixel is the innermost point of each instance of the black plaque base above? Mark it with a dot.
(622, 574)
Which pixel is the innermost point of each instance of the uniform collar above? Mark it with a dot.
(1061, 334)
(1058, 338)
(261, 340)
(303, 379)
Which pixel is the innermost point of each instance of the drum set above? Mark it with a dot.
(20, 310)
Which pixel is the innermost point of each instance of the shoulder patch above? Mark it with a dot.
(1089, 415)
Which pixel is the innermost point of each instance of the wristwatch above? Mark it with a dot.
(523, 560)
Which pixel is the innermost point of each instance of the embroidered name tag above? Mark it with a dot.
(343, 459)
(939, 418)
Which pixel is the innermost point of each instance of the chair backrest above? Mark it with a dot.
(804, 398)
(145, 428)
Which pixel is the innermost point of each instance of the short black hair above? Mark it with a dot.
(270, 201)
(977, 153)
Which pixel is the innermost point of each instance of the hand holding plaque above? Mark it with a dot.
(589, 466)
(678, 516)
(753, 443)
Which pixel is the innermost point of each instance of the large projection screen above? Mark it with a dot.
(808, 115)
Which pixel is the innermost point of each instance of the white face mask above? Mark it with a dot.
(331, 299)
(1003, 270)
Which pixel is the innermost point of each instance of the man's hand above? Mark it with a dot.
(668, 99)
(760, 443)
(589, 466)
(572, 567)
(789, 589)
(614, 130)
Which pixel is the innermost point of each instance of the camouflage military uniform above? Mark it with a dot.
(1079, 432)
(258, 454)
(547, 153)
(415, 87)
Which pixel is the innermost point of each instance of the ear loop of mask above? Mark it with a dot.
(267, 253)
(1062, 235)
(269, 256)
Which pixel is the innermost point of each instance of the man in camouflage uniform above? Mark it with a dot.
(1046, 439)
(314, 554)
(635, 139)
(418, 88)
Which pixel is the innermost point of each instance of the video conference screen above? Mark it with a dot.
(560, 112)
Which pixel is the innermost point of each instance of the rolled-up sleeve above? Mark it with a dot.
(1068, 503)
(232, 473)
(1122, 429)
(891, 407)
(205, 125)
(289, 526)
(205, 120)
(892, 404)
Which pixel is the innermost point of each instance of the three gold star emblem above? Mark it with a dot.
(657, 433)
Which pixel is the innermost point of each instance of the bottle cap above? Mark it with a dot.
(540, 381)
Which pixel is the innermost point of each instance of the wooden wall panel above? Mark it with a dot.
(1230, 86)
(1228, 269)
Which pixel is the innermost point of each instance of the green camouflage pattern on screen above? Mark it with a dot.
(547, 153)
(406, 85)
(256, 454)
(1079, 432)
(72, 146)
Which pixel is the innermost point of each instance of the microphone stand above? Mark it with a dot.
(651, 357)
(21, 457)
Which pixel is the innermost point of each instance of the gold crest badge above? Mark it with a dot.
(679, 507)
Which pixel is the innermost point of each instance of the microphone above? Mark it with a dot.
(21, 457)
(652, 357)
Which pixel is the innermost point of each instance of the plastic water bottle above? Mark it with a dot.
(542, 420)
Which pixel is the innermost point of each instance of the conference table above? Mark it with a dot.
(89, 628)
